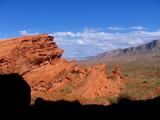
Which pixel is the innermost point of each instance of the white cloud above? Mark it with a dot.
(23, 32)
(92, 42)
(137, 28)
(80, 42)
(116, 28)
(126, 28)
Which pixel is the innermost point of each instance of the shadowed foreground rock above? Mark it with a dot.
(15, 93)
(124, 105)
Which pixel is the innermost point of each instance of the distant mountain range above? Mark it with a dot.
(145, 51)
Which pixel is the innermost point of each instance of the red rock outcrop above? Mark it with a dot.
(38, 59)
(21, 55)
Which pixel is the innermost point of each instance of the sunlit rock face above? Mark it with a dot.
(38, 59)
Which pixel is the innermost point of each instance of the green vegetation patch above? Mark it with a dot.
(101, 99)
(112, 99)
(141, 89)
(67, 89)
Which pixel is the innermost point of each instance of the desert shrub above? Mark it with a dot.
(145, 81)
(100, 99)
(124, 95)
(67, 89)
(125, 74)
(157, 83)
(112, 99)
(33, 98)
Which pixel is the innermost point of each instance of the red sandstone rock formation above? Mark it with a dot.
(38, 59)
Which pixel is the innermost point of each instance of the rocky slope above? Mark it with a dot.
(149, 48)
(149, 52)
(38, 59)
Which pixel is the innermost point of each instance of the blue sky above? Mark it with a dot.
(94, 25)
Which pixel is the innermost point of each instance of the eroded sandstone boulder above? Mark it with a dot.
(38, 59)
(21, 55)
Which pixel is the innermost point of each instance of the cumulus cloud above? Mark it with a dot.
(116, 28)
(91, 42)
(137, 28)
(25, 32)
(126, 28)
(80, 42)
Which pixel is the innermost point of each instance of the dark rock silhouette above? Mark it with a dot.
(14, 93)
(139, 106)
(123, 106)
